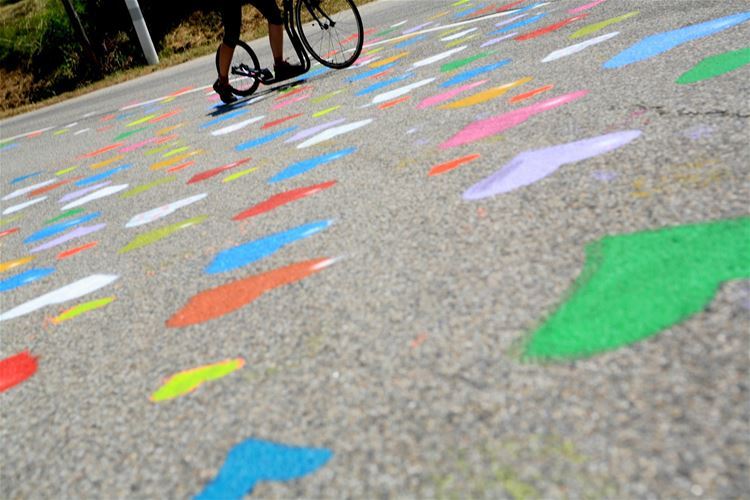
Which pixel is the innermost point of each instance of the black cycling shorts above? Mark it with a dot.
(231, 16)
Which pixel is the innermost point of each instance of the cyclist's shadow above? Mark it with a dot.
(242, 102)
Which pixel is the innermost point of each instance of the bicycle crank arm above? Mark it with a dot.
(264, 75)
(244, 70)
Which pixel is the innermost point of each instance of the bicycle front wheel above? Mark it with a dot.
(243, 61)
(331, 30)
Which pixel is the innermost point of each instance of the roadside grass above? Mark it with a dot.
(113, 79)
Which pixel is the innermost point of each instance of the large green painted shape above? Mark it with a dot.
(184, 382)
(635, 285)
(454, 65)
(159, 234)
(717, 65)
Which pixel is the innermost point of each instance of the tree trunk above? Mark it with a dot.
(75, 21)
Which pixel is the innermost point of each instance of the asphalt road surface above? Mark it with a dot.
(532, 320)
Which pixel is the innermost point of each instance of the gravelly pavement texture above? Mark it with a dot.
(404, 357)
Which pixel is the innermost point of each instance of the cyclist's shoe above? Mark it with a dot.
(285, 70)
(225, 92)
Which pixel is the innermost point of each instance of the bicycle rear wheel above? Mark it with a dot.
(244, 59)
(331, 30)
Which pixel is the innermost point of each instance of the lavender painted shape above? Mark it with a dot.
(698, 131)
(309, 132)
(531, 166)
(83, 192)
(498, 39)
(78, 232)
(604, 176)
(417, 28)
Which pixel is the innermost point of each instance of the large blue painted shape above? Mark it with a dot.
(25, 278)
(303, 166)
(255, 250)
(24, 177)
(59, 228)
(265, 139)
(659, 43)
(469, 74)
(519, 24)
(409, 41)
(315, 72)
(370, 73)
(224, 117)
(254, 460)
(377, 86)
(104, 175)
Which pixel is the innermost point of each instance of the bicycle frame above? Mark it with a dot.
(264, 75)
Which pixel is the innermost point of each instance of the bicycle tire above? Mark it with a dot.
(316, 8)
(237, 86)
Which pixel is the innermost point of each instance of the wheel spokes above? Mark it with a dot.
(327, 34)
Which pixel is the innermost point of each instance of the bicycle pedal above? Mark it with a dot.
(241, 70)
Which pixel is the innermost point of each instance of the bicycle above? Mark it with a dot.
(311, 18)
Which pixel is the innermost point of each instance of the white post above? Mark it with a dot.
(142, 30)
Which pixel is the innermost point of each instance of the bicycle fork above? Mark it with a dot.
(324, 25)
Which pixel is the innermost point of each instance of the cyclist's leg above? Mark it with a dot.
(271, 12)
(282, 69)
(276, 39)
(231, 17)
